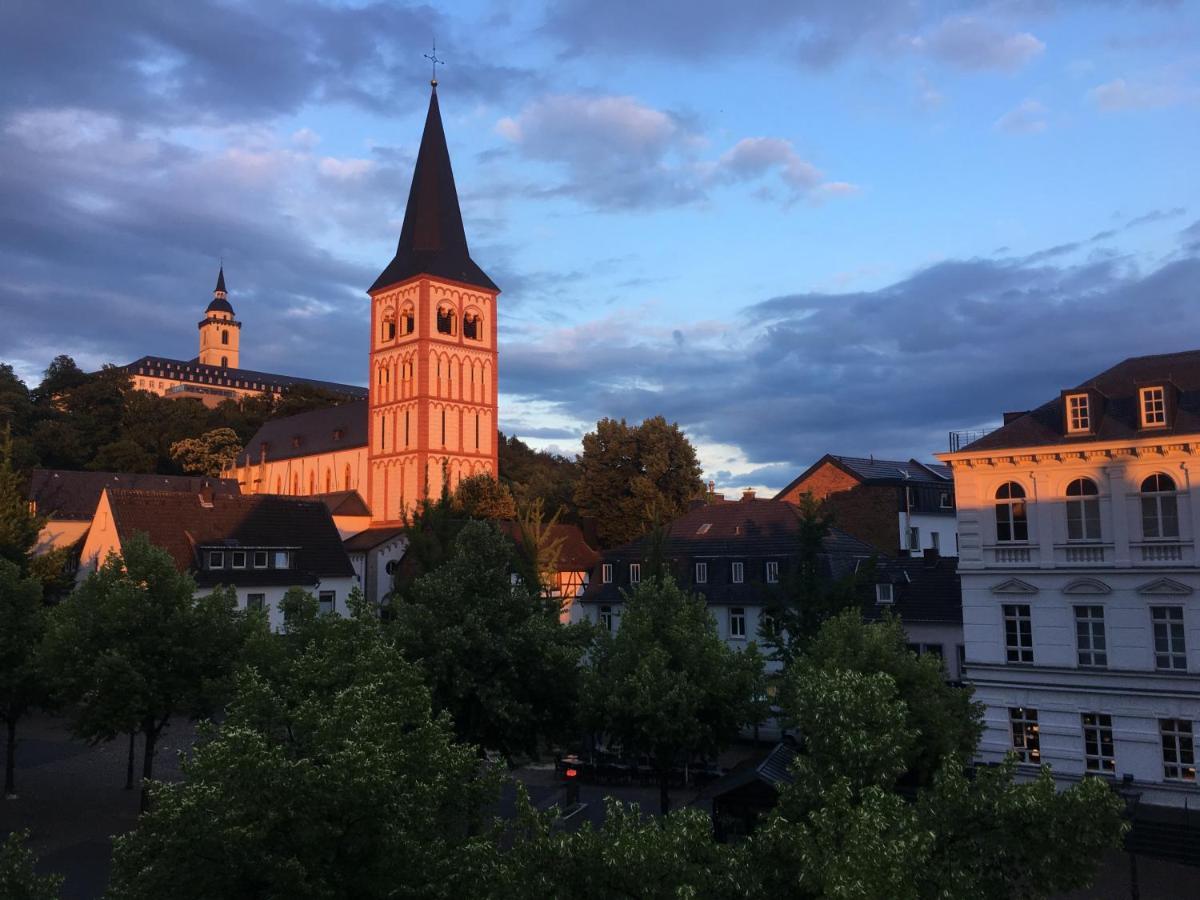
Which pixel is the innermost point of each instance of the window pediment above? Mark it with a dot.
(1014, 586)
(1164, 587)
(1086, 586)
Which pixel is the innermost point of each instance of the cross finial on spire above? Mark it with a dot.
(434, 62)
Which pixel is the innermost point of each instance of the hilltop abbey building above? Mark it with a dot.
(429, 418)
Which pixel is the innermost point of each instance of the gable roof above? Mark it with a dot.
(309, 432)
(181, 524)
(870, 470)
(432, 238)
(62, 494)
(1118, 420)
(370, 538)
(195, 372)
(575, 554)
(344, 503)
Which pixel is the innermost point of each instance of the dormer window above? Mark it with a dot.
(283, 559)
(1079, 418)
(216, 559)
(1152, 401)
(883, 594)
(238, 559)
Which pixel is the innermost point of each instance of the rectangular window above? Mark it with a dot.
(260, 559)
(772, 573)
(914, 539)
(962, 658)
(256, 602)
(883, 593)
(1098, 755)
(701, 573)
(327, 601)
(1169, 650)
(944, 500)
(738, 572)
(1018, 633)
(1178, 749)
(635, 573)
(238, 559)
(737, 622)
(1025, 741)
(283, 559)
(606, 573)
(1089, 636)
(935, 540)
(216, 559)
(606, 619)
(1154, 406)
(1078, 416)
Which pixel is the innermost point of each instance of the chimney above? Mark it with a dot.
(747, 494)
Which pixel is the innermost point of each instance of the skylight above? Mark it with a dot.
(703, 529)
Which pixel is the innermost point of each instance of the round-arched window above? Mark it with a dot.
(1012, 521)
(1160, 507)
(1083, 510)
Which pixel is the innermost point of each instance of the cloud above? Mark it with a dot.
(619, 153)
(888, 371)
(1156, 215)
(1120, 95)
(1028, 117)
(966, 42)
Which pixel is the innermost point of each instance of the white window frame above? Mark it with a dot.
(1083, 511)
(261, 555)
(738, 573)
(1154, 505)
(1091, 642)
(635, 573)
(1026, 735)
(216, 559)
(1152, 406)
(1178, 749)
(606, 573)
(1170, 641)
(885, 594)
(737, 623)
(233, 559)
(772, 572)
(606, 618)
(1099, 753)
(944, 500)
(1011, 512)
(1018, 639)
(1079, 414)
(914, 539)
(701, 573)
(283, 559)
(329, 597)
(257, 602)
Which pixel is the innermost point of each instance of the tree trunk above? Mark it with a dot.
(664, 792)
(151, 735)
(129, 762)
(10, 762)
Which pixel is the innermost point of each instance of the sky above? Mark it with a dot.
(792, 227)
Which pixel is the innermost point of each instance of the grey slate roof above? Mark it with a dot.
(1118, 418)
(194, 372)
(870, 470)
(924, 589)
(309, 432)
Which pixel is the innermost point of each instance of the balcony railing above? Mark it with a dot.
(960, 439)
(1083, 554)
(1008, 555)
(1163, 552)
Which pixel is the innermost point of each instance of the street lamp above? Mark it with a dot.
(1131, 798)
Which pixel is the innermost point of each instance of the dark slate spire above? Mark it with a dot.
(432, 239)
(220, 300)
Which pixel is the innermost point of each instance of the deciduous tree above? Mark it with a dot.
(666, 685)
(629, 474)
(332, 781)
(19, 879)
(135, 645)
(23, 682)
(210, 454)
(483, 497)
(493, 651)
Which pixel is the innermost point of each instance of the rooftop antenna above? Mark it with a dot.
(434, 62)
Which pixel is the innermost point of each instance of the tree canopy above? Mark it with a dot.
(538, 475)
(666, 685)
(493, 651)
(633, 475)
(133, 646)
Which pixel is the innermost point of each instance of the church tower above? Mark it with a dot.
(219, 331)
(433, 392)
